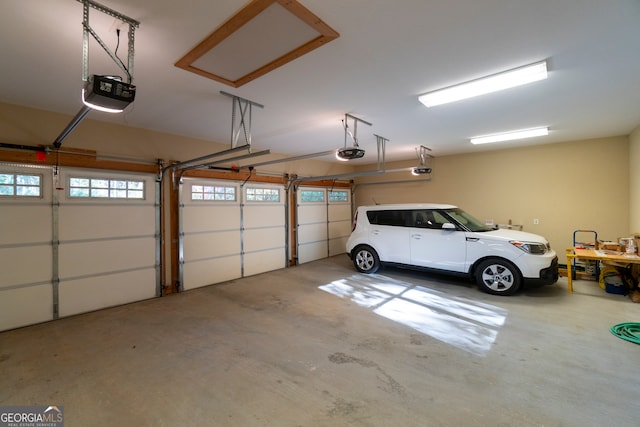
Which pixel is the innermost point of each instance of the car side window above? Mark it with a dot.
(426, 218)
(396, 218)
(421, 219)
(440, 219)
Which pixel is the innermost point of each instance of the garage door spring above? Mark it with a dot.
(629, 331)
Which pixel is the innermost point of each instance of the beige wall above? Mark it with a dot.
(566, 186)
(634, 181)
(21, 125)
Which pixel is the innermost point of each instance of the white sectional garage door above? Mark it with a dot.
(264, 229)
(339, 220)
(26, 285)
(229, 231)
(74, 242)
(107, 231)
(323, 222)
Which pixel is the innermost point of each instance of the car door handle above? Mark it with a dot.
(375, 232)
(416, 236)
(472, 239)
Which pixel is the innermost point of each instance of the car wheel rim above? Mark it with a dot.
(497, 277)
(364, 260)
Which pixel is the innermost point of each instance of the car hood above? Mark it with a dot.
(502, 234)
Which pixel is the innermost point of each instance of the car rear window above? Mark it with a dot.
(390, 217)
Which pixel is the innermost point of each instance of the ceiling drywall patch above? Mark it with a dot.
(264, 35)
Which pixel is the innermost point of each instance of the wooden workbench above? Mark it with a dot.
(596, 255)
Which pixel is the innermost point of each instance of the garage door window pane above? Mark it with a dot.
(100, 188)
(338, 196)
(213, 193)
(263, 195)
(18, 185)
(312, 196)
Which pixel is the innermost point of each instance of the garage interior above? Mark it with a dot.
(183, 262)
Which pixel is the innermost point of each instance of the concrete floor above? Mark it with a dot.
(320, 345)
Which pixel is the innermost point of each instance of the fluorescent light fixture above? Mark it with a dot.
(509, 136)
(484, 85)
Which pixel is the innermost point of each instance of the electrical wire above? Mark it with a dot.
(115, 53)
(629, 331)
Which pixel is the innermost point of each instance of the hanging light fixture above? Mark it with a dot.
(424, 168)
(354, 151)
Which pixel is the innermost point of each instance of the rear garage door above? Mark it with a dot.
(229, 231)
(78, 242)
(323, 222)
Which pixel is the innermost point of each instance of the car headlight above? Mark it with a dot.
(530, 247)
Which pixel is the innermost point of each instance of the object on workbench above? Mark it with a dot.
(590, 267)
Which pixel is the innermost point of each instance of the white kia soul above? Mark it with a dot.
(447, 239)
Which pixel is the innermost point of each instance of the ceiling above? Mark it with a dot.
(388, 53)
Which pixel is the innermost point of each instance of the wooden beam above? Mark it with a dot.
(74, 158)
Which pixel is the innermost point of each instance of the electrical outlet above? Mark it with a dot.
(536, 221)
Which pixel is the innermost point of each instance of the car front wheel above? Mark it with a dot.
(366, 259)
(498, 277)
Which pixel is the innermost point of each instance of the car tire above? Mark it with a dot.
(498, 277)
(366, 259)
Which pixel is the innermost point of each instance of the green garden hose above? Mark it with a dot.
(629, 331)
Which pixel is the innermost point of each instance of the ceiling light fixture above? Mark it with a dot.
(496, 82)
(509, 136)
(353, 152)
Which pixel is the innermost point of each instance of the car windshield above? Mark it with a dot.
(466, 220)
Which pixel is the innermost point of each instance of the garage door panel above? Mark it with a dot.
(337, 246)
(262, 216)
(338, 234)
(208, 245)
(340, 212)
(105, 221)
(86, 258)
(339, 229)
(26, 306)
(24, 265)
(312, 233)
(93, 293)
(197, 218)
(312, 213)
(263, 261)
(324, 219)
(26, 250)
(210, 232)
(207, 272)
(25, 224)
(263, 238)
(312, 251)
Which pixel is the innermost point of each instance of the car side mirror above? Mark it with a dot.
(448, 226)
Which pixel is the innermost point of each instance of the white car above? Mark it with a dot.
(445, 238)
